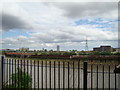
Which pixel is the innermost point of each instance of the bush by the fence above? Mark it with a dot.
(20, 79)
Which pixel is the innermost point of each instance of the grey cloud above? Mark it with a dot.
(13, 22)
(78, 10)
(55, 38)
(64, 36)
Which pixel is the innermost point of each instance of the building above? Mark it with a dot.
(96, 49)
(58, 48)
(106, 49)
(117, 49)
(24, 49)
(103, 49)
(8, 50)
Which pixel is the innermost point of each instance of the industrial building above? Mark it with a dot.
(103, 49)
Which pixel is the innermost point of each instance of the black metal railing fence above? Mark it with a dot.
(22, 73)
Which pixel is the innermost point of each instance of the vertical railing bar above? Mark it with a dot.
(42, 74)
(6, 74)
(34, 74)
(27, 75)
(18, 74)
(31, 70)
(91, 76)
(115, 79)
(6, 66)
(54, 76)
(109, 77)
(97, 77)
(103, 76)
(12, 73)
(59, 75)
(9, 71)
(73, 74)
(46, 74)
(15, 73)
(85, 76)
(78, 75)
(63, 75)
(2, 71)
(50, 75)
(21, 74)
(68, 75)
(38, 74)
(24, 72)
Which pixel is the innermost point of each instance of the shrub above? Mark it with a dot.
(20, 80)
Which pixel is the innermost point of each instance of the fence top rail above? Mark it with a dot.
(61, 61)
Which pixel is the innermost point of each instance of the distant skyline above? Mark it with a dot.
(38, 25)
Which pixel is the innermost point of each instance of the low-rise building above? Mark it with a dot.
(96, 49)
(24, 49)
(103, 49)
(117, 49)
(106, 49)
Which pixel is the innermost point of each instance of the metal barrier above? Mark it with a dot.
(17, 73)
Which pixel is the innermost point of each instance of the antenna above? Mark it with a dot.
(86, 45)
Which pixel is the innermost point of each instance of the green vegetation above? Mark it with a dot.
(20, 80)
(70, 52)
(99, 53)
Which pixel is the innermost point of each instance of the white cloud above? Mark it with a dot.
(59, 1)
(11, 43)
(54, 24)
(72, 38)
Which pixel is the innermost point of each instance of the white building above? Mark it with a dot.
(58, 48)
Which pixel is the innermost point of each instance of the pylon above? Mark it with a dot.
(86, 45)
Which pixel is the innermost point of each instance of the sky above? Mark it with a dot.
(38, 25)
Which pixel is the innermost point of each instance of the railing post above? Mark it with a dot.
(1, 72)
(85, 76)
(118, 81)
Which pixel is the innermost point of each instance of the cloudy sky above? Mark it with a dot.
(40, 25)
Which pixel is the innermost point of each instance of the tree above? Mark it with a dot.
(20, 80)
(51, 50)
(45, 50)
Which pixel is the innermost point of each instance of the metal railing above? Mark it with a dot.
(21, 73)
